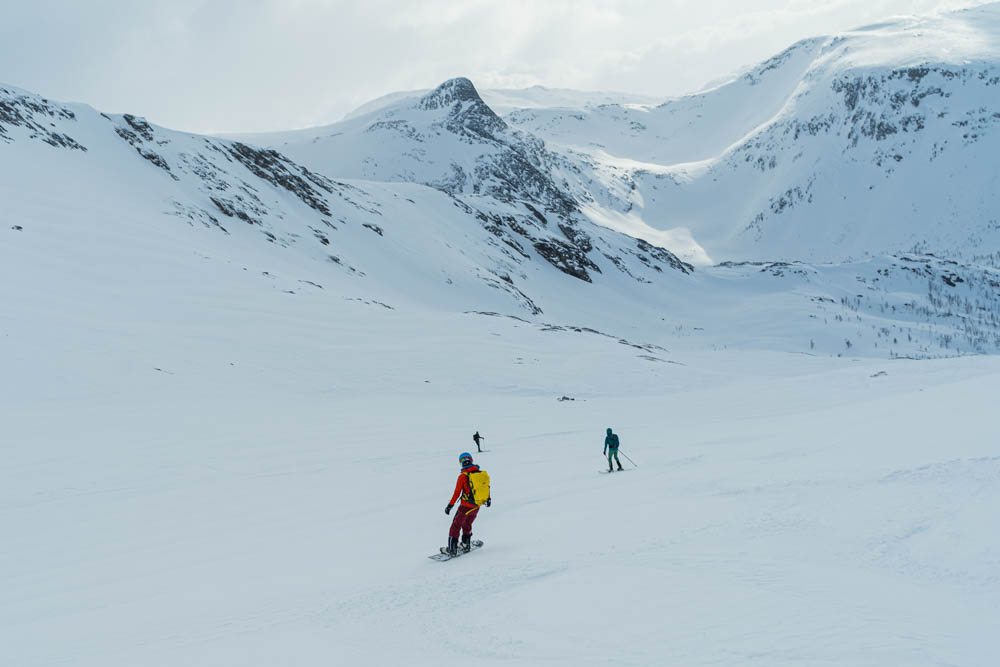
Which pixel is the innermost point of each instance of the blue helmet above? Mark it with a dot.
(464, 457)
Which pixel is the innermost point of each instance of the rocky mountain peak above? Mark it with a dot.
(459, 89)
(466, 112)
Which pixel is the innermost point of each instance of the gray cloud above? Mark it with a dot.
(248, 65)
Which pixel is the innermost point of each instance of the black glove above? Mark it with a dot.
(447, 510)
(488, 501)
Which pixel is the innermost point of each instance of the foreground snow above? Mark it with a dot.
(268, 494)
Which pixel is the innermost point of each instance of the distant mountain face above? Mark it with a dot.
(505, 100)
(880, 142)
(483, 227)
(881, 139)
(450, 140)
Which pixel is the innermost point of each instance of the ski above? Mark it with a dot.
(606, 472)
(443, 555)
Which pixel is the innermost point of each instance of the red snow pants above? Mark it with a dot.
(464, 516)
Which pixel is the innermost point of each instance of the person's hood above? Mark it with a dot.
(609, 431)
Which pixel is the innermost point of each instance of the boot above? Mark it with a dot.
(467, 543)
(610, 469)
(452, 546)
(620, 466)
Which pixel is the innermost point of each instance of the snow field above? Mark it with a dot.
(786, 509)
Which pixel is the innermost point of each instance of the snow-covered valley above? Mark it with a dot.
(238, 372)
(263, 485)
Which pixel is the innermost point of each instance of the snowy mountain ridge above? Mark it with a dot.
(807, 156)
(881, 139)
(571, 214)
(238, 189)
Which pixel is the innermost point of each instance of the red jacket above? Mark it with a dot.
(463, 489)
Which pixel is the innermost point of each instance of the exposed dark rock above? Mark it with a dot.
(140, 126)
(468, 115)
(512, 177)
(230, 209)
(507, 285)
(621, 266)
(459, 89)
(512, 168)
(664, 256)
(278, 170)
(495, 223)
(350, 269)
(155, 159)
(193, 214)
(29, 113)
(398, 126)
(577, 237)
(136, 134)
(534, 212)
(877, 102)
(566, 257)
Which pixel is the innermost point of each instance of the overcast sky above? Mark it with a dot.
(249, 65)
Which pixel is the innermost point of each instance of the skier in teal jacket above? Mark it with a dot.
(611, 449)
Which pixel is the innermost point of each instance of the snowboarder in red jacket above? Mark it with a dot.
(467, 510)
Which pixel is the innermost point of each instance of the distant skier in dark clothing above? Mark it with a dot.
(470, 487)
(611, 449)
(476, 438)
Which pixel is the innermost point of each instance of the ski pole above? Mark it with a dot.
(629, 460)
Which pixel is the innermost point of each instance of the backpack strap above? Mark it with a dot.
(467, 495)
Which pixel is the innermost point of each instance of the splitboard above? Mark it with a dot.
(443, 556)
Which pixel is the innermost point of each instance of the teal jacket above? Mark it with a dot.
(611, 441)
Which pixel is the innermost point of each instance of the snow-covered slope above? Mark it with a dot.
(877, 145)
(448, 138)
(451, 140)
(237, 378)
(72, 173)
(435, 201)
(427, 243)
(505, 100)
(219, 452)
(880, 139)
(686, 129)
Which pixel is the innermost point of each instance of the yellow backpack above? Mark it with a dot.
(479, 483)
